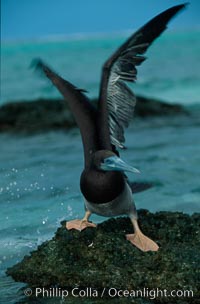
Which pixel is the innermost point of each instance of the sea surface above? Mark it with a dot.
(39, 174)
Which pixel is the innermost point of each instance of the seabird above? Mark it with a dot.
(103, 182)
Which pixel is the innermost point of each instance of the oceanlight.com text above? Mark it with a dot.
(107, 292)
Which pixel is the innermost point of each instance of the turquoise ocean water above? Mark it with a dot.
(170, 73)
(39, 174)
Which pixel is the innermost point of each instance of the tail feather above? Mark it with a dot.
(139, 186)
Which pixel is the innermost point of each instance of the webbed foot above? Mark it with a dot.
(79, 224)
(142, 242)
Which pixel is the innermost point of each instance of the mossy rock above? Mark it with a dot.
(42, 115)
(102, 258)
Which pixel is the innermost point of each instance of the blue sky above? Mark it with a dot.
(26, 19)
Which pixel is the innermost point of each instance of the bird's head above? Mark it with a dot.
(108, 161)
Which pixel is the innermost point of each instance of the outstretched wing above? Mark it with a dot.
(83, 111)
(117, 101)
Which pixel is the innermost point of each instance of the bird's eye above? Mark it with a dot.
(107, 161)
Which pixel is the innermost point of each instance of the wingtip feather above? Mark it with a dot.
(36, 64)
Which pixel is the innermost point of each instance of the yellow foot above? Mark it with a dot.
(79, 225)
(142, 242)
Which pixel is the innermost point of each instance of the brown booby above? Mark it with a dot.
(103, 182)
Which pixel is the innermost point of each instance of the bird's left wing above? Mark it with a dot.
(117, 101)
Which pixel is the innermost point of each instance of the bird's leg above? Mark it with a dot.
(80, 224)
(139, 239)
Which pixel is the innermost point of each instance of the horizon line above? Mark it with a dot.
(85, 35)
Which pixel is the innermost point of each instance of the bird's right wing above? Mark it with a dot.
(84, 113)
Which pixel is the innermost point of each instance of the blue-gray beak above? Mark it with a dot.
(115, 163)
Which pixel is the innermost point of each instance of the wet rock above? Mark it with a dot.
(35, 116)
(44, 115)
(102, 258)
(153, 107)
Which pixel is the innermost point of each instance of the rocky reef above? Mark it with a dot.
(43, 115)
(100, 260)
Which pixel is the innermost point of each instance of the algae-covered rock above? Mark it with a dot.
(42, 115)
(101, 258)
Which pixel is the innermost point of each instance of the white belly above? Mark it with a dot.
(123, 204)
